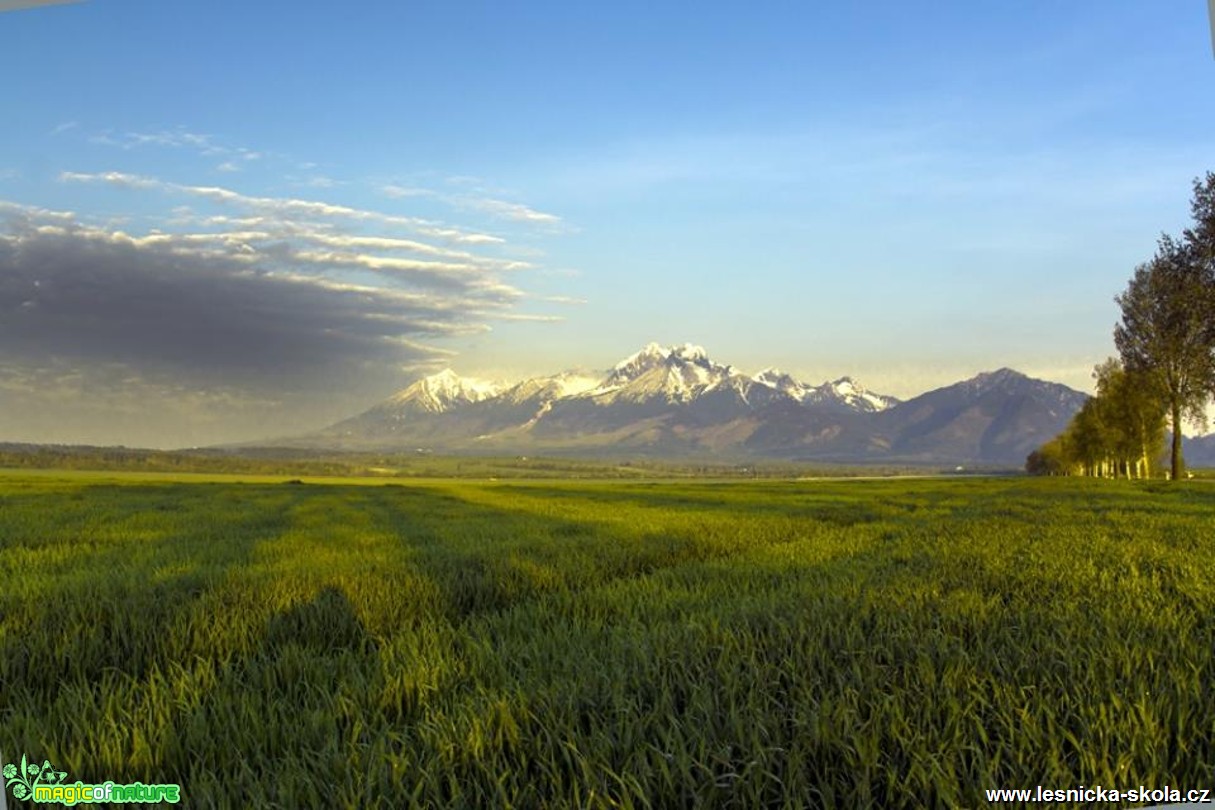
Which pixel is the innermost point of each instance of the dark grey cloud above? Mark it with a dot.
(247, 316)
(68, 292)
(194, 326)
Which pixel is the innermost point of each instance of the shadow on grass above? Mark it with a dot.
(277, 724)
(134, 561)
(486, 558)
(324, 625)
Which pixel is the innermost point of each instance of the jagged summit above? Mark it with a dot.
(439, 392)
(1002, 379)
(682, 373)
(773, 376)
(676, 374)
(654, 356)
(844, 392)
(999, 376)
(649, 353)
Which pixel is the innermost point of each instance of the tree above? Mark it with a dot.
(1087, 438)
(1133, 416)
(1200, 239)
(1051, 458)
(1118, 432)
(1166, 336)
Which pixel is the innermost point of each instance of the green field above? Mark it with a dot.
(608, 644)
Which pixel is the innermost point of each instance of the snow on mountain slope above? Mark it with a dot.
(848, 392)
(677, 374)
(778, 380)
(844, 392)
(565, 384)
(441, 392)
(680, 383)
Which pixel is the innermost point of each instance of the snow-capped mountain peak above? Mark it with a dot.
(676, 374)
(785, 383)
(845, 386)
(771, 375)
(438, 392)
(649, 354)
(854, 395)
(844, 392)
(565, 384)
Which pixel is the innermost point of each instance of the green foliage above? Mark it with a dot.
(1201, 237)
(537, 644)
(1052, 458)
(1167, 332)
(1119, 432)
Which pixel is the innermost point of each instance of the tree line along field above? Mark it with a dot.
(609, 644)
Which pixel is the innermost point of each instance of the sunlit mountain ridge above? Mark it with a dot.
(679, 402)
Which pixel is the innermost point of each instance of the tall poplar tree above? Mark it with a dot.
(1167, 333)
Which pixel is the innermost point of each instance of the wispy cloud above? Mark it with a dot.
(205, 145)
(64, 127)
(286, 206)
(476, 201)
(520, 316)
(562, 299)
(314, 181)
(516, 212)
(397, 192)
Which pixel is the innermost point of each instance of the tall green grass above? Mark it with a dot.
(851, 644)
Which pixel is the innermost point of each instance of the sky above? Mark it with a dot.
(225, 222)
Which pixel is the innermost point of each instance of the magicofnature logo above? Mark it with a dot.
(46, 784)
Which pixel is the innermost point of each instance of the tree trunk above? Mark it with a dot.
(1178, 464)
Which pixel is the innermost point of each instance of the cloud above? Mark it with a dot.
(175, 138)
(397, 192)
(232, 315)
(518, 316)
(496, 208)
(28, 213)
(205, 304)
(286, 207)
(562, 299)
(113, 178)
(267, 308)
(516, 212)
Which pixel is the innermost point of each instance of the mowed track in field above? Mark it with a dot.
(626, 644)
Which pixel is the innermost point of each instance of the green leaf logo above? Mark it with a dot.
(24, 778)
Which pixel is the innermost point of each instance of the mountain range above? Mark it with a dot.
(677, 402)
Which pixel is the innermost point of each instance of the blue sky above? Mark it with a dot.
(225, 219)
